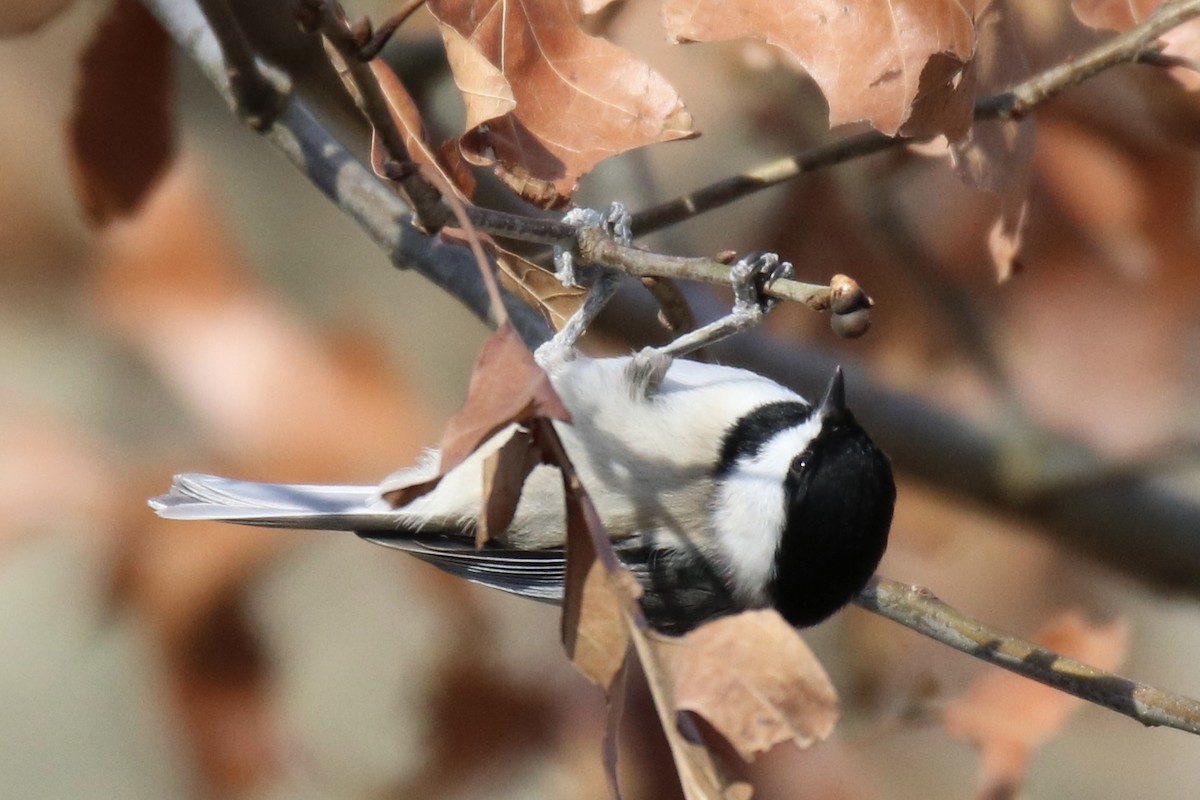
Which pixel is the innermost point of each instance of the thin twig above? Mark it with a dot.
(1127, 48)
(726, 191)
(597, 247)
(258, 98)
(424, 199)
(917, 608)
(383, 34)
(673, 310)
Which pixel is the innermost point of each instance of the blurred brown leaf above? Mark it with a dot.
(19, 17)
(280, 399)
(277, 400)
(122, 131)
(872, 60)
(1008, 717)
(578, 99)
(52, 478)
(1113, 15)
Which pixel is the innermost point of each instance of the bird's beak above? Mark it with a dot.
(833, 403)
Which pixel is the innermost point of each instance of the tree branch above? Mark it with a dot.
(917, 608)
(1126, 48)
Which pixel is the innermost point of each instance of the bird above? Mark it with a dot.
(721, 491)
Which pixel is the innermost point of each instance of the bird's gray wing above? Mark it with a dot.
(537, 574)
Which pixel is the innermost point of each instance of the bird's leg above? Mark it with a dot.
(603, 282)
(749, 276)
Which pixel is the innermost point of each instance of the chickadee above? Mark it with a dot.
(721, 489)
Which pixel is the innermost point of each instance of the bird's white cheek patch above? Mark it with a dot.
(749, 515)
(748, 518)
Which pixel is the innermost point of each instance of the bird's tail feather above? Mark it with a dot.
(276, 505)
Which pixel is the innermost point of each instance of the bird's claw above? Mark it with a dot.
(617, 222)
(750, 275)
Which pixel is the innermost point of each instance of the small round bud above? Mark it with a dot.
(845, 295)
(851, 325)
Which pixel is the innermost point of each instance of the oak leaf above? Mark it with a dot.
(872, 59)
(578, 99)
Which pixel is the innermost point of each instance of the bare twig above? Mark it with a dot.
(597, 247)
(674, 312)
(1127, 48)
(380, 37)
(257, 97)
(726, 191)
(424, 199)
(917, 608)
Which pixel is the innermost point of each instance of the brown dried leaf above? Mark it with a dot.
(535, 285)
(599, 594)
(945, 101)
(1007, 717)
(404, 112)
(538, 287)
(483, 85)
(701, 775)
(754, 702)
(579, 99)
(507, 386)
(122, 137)
(19, 17)
(870, 58)
(504, 473)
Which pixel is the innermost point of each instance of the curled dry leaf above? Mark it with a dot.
(538, 287)
(752, 677)
(535, 285)
(701, 774)
(1007, 717)
(871, 59)
(578, 99)
(122, 135)
(600, 596)
(504, 473)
